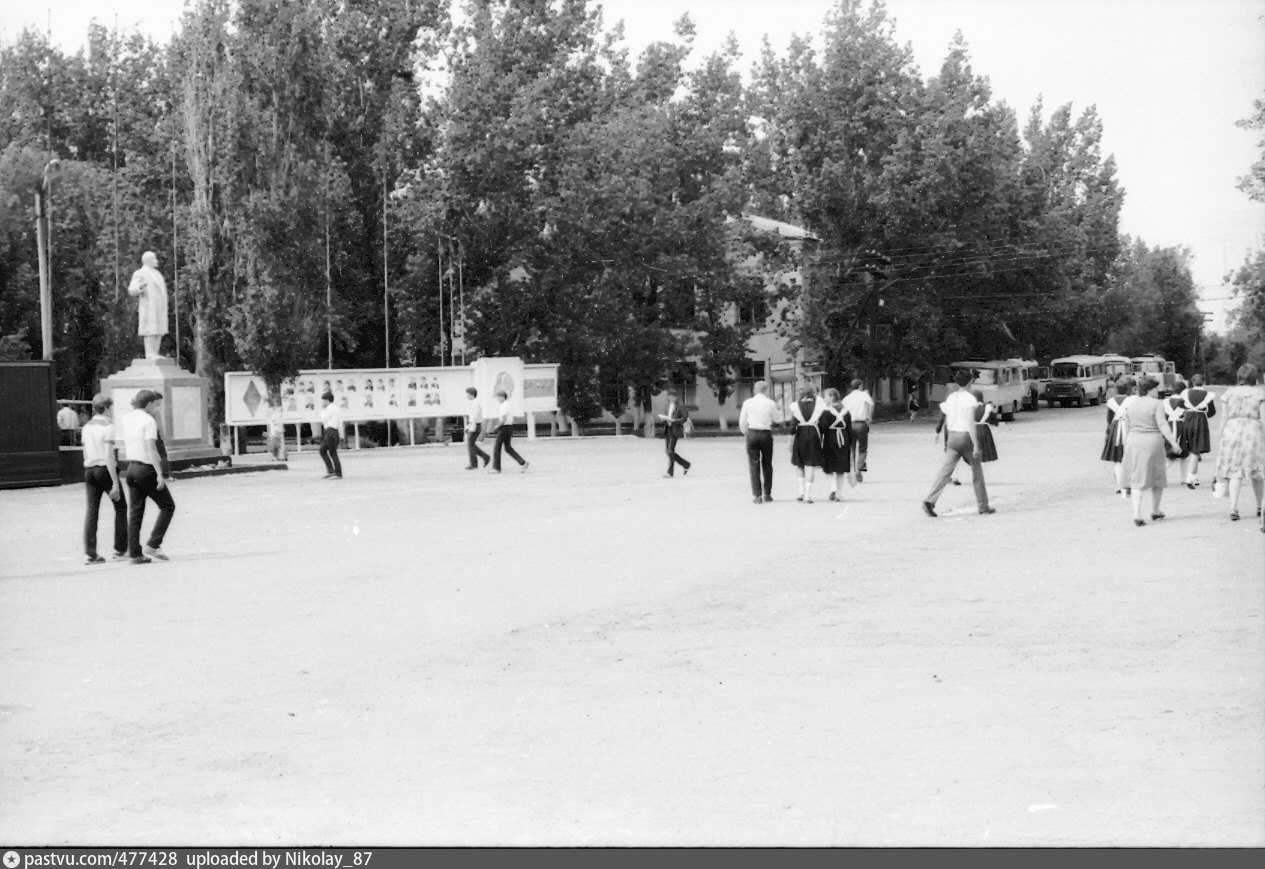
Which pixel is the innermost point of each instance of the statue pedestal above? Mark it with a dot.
(182, 416)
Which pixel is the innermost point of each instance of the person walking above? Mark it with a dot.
(101, 478)
(1196, 435)
(860, 406)
(836, 441)
(806, 441)
(331, 435)
(674, 417)
(505, 431)
(961, 442)
(1145, 463)
(1113, 444)
(1241, 450)
(756, 419)
(475, 431)
(144, 478)
(1175, 413)
(985, 419)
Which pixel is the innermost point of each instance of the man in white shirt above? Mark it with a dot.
(756, 419)
(474, 431)
(860, 404)
(962, 442)
(504, 431)
(68, 423)
(331, 434)
(144, 478)
(101, 477)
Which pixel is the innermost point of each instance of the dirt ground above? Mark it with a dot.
(591, 654)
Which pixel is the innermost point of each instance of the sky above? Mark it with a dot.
(1169, 79)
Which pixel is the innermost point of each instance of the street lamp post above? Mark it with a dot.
(42, 242)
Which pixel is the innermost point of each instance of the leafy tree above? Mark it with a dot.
(1253, 183)
(1155, 297)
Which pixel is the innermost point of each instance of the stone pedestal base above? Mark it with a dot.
(182, 416)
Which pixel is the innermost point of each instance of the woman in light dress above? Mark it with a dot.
(1241, 452)
(1145, 460)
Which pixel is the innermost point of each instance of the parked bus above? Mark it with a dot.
(1077, 379)
(1117, 366)
(1035, 378)
(1156, 366)
(998, 380)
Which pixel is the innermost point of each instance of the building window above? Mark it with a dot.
(753, 312)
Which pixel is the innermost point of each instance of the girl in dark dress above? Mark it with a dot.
(835, 426)
(1113, 446)
(985, 419)
(806, 443)
(1196, 437)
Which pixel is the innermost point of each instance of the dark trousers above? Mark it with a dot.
(329, 452)
(503, 435)
(860, 445)
(669, 444)
(97, 484)
(142, 483)
(760, 460)
(474, 450)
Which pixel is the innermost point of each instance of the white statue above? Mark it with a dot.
(151, 292)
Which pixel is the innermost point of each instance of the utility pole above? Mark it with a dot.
(42, 245)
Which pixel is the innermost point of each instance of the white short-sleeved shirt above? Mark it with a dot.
(98, 442)
(67, 419)
(759, 413)
(138, 427)
(506, 414)
(332, 418)
(860, 404)
(959, 412)
(475, 415)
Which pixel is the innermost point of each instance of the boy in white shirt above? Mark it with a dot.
(101, 477)
(504, 431)
(962, 442)
(474, 431)
(331, 434)
(144, 478)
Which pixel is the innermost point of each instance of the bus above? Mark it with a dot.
(1117, 366)
(998, 380)
(1035, 379)
(1156, 366)
(1077, 379)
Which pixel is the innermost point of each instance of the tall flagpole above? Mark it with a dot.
(329, 304)
(439, 254)
(175, 256)
(386, 310)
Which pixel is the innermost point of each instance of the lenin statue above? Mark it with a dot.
(151, 292)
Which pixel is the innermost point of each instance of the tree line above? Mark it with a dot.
(381, 183)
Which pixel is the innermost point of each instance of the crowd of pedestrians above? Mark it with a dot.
(1150, 430)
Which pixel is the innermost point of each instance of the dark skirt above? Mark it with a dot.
(988, 449)
(1193, 434)
(1113, 448)
(806, 447)
(836, 451)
